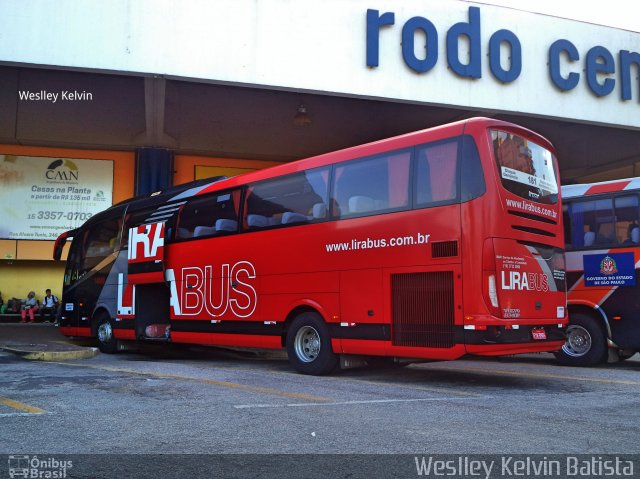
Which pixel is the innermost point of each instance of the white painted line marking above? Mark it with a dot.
(348, 403)
(30, 414)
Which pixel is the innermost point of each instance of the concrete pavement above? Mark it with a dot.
(43, 342)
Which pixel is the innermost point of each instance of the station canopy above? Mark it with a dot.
(129, 111)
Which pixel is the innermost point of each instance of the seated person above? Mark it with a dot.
(633, 235)
(31, 306)
(589, 238)
(49, 306)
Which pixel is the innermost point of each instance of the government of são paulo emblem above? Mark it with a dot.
(608, 265)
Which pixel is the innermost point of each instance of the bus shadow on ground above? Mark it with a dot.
(472, 374)
(150, 351)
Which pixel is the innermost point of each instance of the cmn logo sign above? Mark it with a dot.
(62, 170)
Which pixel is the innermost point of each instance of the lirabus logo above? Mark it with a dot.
(62, 171)
(608, 266)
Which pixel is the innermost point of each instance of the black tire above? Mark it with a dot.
(309, 345)
(586, 343)
(107, 343)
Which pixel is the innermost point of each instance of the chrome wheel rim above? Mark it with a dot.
(578, 341)
(105, 332)
(307, 344)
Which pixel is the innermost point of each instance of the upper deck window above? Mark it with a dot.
(526, 169)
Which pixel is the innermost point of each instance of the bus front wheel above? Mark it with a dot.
(309, 345)
(586, 343)
(107, 343)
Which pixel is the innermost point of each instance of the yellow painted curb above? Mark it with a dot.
(84, 353)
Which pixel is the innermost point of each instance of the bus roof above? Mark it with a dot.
(587, 189)
(173, 191)
(208, 185)
(379, 146)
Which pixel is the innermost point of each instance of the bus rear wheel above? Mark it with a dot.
(309, 345)
(107, 343)
(586, 343)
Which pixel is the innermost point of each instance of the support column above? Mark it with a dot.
(154, 170)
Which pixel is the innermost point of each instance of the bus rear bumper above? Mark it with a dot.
(498, 340)
(72, 331)
(510, 335)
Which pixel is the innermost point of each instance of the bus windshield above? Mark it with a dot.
(526, 169)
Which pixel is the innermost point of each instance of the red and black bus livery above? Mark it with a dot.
(434, 244)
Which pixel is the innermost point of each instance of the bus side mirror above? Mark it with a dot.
(59, 245)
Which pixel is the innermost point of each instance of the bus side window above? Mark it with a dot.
(436, 173)
(568, 233)
(576, 219)
(605, 223)
(472, 184)
(373, 185)
(211, 215)
(593, 223)
(74, 260)
(101, 241)
(293, 199)
(626, 208)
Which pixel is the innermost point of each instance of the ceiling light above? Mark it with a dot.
(302, 118)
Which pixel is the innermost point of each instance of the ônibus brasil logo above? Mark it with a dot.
(608, 265)
(62, 170)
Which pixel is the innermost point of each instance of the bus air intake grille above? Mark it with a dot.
(423, 309)
(535, 231)
(444, 249)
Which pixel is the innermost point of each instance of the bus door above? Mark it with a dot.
(146, 280)
(69, 313)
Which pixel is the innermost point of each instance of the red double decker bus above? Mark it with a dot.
(434, 244)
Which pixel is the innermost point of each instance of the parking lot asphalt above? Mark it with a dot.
(42, 341)
(213, 401)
